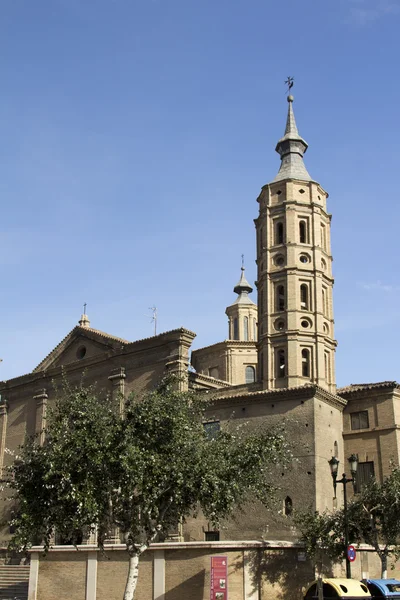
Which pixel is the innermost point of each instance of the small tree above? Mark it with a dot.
(373, 518)
(142, 473)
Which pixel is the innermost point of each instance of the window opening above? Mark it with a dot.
(327, 367)
(280, 298)
(211, 536)
(211, 429)
(323, 237)
(304, 300)
(255, 330)
(303, 232)
(281, 367)
(213, 372)
(288, 506)
(305, 362)
(235, 329)
(246, 329)
(359, 420)
(279, 233)
(250, 374)
(365, 472)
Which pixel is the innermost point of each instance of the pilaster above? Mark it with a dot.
(41, 399)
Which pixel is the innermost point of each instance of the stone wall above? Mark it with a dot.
(177, 571)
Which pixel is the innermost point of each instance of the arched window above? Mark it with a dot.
(235, 329)
(213, 372)
(305, 362)
(288, 506)
(280, 297)
(323, 238)
(250, 374)
(304, 300)
(279, 233)
(303, 232)
(246, 329)
(327, 367)
(280, 364)
(325, 302)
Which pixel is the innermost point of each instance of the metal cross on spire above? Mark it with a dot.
(290, 83)
(242, 261)
(84, 308)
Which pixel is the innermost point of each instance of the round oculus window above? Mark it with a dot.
(279, 260)
(304, 258)
(305, 323)
(279, 325)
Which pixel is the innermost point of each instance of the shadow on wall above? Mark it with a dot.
(192, 588)
(279, 573)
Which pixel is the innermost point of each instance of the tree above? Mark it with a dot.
(373, 518)
(141, 472)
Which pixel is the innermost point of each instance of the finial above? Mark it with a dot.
(290, 98)
(84, 320)
(290, 83)
(242, 262)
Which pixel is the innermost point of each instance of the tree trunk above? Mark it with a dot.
(384, 566)
(132, 576)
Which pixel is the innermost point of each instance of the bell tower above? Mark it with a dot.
(296, 342)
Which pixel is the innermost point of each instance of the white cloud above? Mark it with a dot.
(379, 286)
(363, 12)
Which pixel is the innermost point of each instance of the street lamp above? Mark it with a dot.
(334, 466)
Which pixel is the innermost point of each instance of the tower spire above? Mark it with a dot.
(291, 148)
(242, 288)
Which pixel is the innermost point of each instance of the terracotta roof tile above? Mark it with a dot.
(356, 387)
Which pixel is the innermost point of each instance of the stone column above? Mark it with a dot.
(158, 575)
(91, 576)
(41, 399)
(3, 429)
(33, 576)
(117, 378)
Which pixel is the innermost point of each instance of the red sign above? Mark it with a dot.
(219, 578)
(351, 553)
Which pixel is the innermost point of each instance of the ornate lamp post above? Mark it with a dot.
(334, 466)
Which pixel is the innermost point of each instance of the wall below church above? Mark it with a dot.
(176, 571)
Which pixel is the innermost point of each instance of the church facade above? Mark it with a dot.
(277, 363)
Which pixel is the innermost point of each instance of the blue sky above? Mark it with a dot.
(135, 137)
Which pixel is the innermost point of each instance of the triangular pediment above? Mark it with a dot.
(81, 343)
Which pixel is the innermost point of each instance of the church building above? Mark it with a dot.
(276, 365)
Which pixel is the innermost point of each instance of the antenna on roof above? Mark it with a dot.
(153, 317)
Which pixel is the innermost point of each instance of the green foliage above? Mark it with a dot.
(373, 518)
(322, 534)
(141, 473)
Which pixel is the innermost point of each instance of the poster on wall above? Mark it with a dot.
(219, 578)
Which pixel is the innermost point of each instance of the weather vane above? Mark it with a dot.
(153, 317)
(242, 261)
(289, 82)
